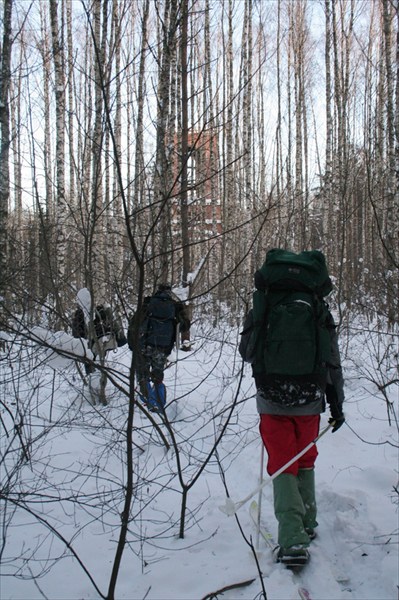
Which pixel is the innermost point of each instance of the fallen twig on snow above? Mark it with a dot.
(233, 586)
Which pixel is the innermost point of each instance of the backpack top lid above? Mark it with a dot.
(283, 269)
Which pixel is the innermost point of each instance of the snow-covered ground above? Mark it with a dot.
(72, 484)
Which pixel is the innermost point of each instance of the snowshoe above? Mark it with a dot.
(293, 558)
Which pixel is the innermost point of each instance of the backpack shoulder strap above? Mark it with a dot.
(259, 303)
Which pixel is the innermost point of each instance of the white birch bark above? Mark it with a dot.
(57, 35)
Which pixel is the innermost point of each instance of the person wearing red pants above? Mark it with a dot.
(284, 436)
(291, 394)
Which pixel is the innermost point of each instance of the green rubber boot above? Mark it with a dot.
(306, 484)
(290, 512)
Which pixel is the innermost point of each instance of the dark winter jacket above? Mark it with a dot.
(79, 329)
(158, 319)
(105, 327)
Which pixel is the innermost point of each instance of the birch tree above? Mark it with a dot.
(97, 220)
(162, 175)
(57, 36)
(327, 224)
(5, 74)
(184, 144)
(391, 229)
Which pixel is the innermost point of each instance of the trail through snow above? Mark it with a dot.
(355, 555)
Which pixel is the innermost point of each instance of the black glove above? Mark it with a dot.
(337, 416)
(336, 422)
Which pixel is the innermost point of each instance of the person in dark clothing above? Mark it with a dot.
(80, 330)
(104, 332)
(286, 427)
(162, 318)
(79, 327)
(285, 431)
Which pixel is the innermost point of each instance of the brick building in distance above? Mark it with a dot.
(203, 197)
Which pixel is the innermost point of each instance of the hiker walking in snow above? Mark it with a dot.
(103, 330)
(290, 339)
(162, 315)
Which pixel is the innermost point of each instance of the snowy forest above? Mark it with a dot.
(153, 141)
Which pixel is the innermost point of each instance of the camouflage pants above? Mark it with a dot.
(151, 365)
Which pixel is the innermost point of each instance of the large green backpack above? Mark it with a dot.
(289, 339)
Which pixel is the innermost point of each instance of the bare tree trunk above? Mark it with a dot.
(15, 113)
(71, 136)
(327, 224)
(5, 144)
(342, 40)
(247, 129)
(95, 266)
(392, 205)
(229, 196)
(290, 237)
(139, 165)
(46, 211)
(115, 222)
(396, 7)
(162, 163)
(214, 273)
(279, 148)
(297, 41)
(184, 145)
(61, 205)
(391, 230)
